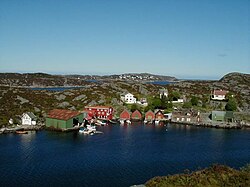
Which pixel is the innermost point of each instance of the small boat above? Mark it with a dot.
(101, 123)
(157, 122)
(122, 122)
(21, 132)
(128, 122)
(90, 129)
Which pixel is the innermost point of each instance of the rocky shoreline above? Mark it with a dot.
(6, 130)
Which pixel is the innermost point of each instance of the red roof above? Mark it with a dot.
(125, 115)
(99, 107)
(220, 92)
(136, 115)
(62, 114)
(149, 113)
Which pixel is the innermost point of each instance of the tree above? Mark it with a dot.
(169, 105)
(229, 95)
(231, 105)
(174, 96)
(156, 103)
(134, 107)
(187, 105)
(194, 101)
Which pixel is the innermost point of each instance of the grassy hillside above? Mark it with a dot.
(216, 175)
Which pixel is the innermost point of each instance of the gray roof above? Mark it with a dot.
(229, 114)
(31, 115)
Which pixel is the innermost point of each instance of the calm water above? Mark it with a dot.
(122, 156)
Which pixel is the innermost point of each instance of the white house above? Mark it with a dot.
(178, 101)
(219, 95)
(128, 98)
(29, 119)
(143, 102)
(163, 92)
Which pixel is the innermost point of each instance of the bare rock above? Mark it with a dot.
(92, 103)
(36, 109)
(22, 100)
(63, 104)
(80, 97)
(68, 93)
(60, 97)
(72, 108)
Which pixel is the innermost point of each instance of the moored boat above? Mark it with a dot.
(21, 132)
(157, 122)
(90, 129)
(128, 122)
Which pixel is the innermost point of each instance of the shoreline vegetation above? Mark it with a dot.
(215, 175)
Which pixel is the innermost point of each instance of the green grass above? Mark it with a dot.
(216, 175)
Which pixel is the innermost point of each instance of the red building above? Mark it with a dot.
(136, 115)
(125, 115)
(100, 112)
(159, 115)
(149, 115)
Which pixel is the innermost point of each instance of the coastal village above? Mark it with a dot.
(134, 113)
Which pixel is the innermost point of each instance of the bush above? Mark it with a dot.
(231, 105)
(187, 105)
(194, 101)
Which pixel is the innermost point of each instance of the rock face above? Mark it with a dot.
(60, 97)
(80, 97)
(22, 100)
(239, 83)
(64, 104)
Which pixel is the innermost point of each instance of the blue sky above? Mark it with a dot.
(182, 38)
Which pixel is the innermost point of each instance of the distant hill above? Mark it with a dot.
(239, 78)
(43, 79)
(37, 80)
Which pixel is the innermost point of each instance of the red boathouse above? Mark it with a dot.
(149, 115)
(159, 115)
(136, 115)
(125, 115)
(100, 112)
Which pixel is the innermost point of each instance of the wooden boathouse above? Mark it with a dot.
(149, 116)
(59, 119)
(136, 115)
(125, 115)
